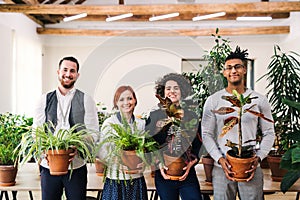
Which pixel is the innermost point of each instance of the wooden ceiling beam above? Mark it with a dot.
(238, 8)
(31, 2)
(178, 32)
(186, 17)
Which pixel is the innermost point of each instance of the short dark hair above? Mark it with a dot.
(238, 54)
(184, 84)
(69, 58)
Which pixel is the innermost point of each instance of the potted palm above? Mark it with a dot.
(241, 155)
(12, 127)
(44, 140)
(283, 77)
(127, 146)
(290, 159)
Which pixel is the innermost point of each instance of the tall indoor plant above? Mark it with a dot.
(242, 154)
(45, 140)
(291, 158)
(12, 126)
(208, 81)
(283, 78)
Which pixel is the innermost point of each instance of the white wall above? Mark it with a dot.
(6, 87)
(21, 55)
(115, 61)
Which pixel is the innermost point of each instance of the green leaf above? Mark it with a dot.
(289, 179)
(296, 155)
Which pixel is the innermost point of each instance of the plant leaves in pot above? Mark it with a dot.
(45, 141)
(126, 145)
(12, 126)
(291, 158)
(177, 152)
(241, 155)
(283, 77)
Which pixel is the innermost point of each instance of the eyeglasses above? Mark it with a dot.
(236, 67)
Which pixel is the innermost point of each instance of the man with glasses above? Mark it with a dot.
(224, 185)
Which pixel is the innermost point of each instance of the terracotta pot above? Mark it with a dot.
(130, 159)
(99, 167)
(239, 166)
(274, 163)
(8, 175)
(175, 166)
(58, 161)
(208, 164)
(264, 164)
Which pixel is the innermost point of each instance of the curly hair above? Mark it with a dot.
(184, 84)
(238, 54)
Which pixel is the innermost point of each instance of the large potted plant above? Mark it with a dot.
(291, 158)
(208, 81)
(45, 141)
(127, 146)
(241, 155)
(283, 78)
(12, 126)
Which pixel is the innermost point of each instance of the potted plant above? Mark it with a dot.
(208, 81)
(12, 126)
(102, 116)
(290, 159)
(176, 153)
(127, 146)
(241, 155)
(44, 140)
(283, 76)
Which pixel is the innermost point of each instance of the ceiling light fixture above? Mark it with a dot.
(74, 17)
(118, 17)
(159, 17)
(219, 14)
(254, 18)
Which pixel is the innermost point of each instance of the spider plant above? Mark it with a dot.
(44, 138)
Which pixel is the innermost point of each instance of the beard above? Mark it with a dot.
(65, 85)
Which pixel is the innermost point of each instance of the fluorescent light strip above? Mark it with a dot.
(219, 14)
(159, 17)
(74, 17)
(254, 18)
(118, 17)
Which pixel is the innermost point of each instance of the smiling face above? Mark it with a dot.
(172, 91)
(67, 74)
(234, 72)
(126, 102)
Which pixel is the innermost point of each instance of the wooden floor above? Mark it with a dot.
(277, 196)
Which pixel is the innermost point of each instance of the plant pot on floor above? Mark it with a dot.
(264, 164)
(274, 163)
(208, 165)
(58, 161)
(8, 175)
(131, 160)
(239, 166)
(175, 166)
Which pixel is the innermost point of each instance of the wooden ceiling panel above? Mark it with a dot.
(46, 12)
